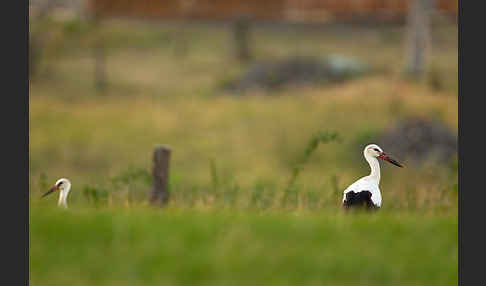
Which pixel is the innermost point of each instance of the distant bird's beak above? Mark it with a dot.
(54, 188)
(388, 158)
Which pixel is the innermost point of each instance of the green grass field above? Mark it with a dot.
(227, 222)
(184, 247)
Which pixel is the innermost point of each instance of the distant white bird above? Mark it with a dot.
(63, 185)
(365, 191)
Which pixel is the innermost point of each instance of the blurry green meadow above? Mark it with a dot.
(86, 246)
(229, 218)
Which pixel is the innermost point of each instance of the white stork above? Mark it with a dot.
(63, 185)
(366, 191)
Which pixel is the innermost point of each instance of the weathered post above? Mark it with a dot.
(160, 175)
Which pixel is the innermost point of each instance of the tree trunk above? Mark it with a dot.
(241, 29)
(99, 57)
(418, 24)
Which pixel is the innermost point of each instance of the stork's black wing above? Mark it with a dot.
(359, 199)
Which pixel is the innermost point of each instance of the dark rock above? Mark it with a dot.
(419, 139)
(298, 70)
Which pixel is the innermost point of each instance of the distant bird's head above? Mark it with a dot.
(63, 185)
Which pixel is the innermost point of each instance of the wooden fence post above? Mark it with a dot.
(160, 175)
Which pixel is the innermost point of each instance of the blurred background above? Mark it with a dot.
(240, 90)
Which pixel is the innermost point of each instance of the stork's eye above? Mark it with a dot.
(60, 183)
(376, 150)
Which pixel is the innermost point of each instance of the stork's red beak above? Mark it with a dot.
(388, 158)
(54, 188)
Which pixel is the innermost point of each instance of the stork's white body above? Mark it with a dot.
(367, 183)
(371, 182)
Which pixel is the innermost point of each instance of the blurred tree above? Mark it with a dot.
(418, 25)
(38, 10)
(34, 54)
(241, 30)
(44, 32)
(99, 53)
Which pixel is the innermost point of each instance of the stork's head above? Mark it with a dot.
(373, 150)
(62, 185)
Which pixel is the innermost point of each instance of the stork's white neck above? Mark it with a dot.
(375, 167)
(63, 196)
